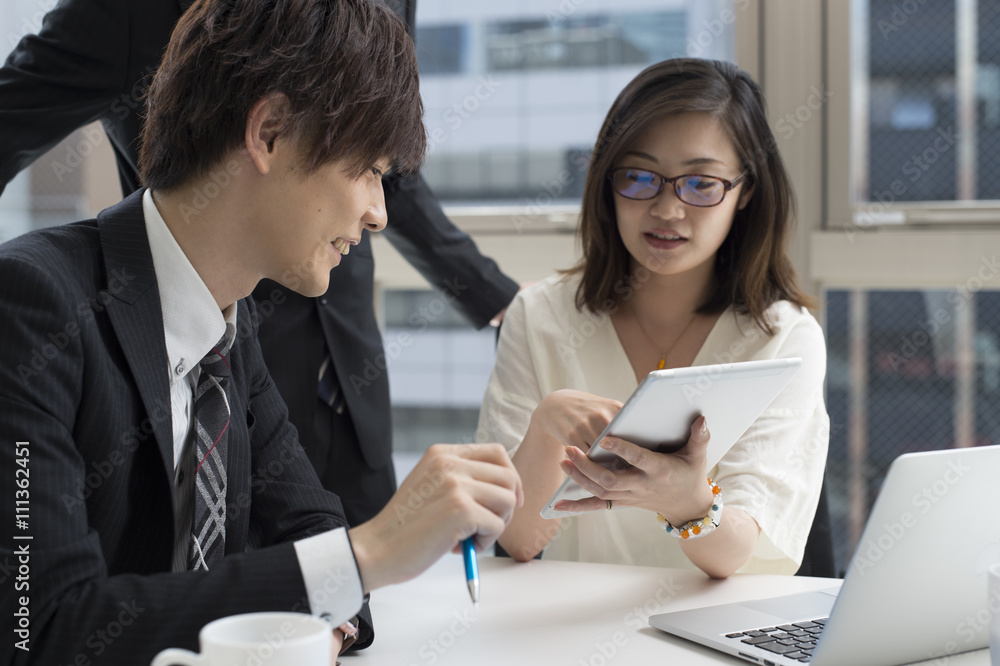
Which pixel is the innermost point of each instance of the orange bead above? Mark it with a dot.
(684, 534)
(716, 490)
(696, 530)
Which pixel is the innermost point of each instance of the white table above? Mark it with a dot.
(555, 613)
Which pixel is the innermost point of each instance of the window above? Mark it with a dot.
(907, 371)
(905, 260)
(597, 40)
(514, 98)
(438, 368)
(510, 122)
(928, 76)
(442, 49)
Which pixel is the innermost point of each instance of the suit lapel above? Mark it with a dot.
(136, 316)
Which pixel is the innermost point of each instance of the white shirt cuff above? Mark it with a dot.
(330, 572)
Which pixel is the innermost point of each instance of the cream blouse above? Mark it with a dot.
(773, 472)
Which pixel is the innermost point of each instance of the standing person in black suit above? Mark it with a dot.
(158, 481)
(93, 59)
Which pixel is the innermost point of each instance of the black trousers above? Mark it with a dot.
(342, 469)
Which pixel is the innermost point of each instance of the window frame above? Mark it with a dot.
(890, 245)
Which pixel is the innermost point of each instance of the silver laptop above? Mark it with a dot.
(916, 588)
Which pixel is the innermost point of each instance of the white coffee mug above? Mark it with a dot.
(257, 639)
(993, 604)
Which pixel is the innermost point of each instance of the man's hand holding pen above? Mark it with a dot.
(456, 492)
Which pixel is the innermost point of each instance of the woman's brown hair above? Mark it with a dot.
(347, 68)
(752, 268)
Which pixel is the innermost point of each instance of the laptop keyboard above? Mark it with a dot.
(792, 641)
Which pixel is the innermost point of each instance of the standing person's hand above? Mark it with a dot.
(498, 317)
(454, 492)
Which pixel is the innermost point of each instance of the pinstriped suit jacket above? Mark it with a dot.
(92, 60)
(83, 379)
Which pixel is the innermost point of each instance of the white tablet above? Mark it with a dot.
(659, 414)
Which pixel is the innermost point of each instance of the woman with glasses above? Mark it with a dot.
(686, 213)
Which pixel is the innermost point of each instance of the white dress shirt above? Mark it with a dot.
(773, 472)
(192, 325)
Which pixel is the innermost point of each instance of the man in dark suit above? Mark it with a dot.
(156, 482)
(93, 60)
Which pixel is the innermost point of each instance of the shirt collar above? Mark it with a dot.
(192, 321)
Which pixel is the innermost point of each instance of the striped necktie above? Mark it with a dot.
(329, 388)
(211, 419)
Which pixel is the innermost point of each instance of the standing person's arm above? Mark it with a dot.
(444, 254)
(89, 61)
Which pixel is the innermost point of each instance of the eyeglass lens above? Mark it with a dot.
(693, 190)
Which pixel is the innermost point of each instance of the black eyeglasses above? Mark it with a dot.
(692, 188)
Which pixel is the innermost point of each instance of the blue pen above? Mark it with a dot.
(471, 568)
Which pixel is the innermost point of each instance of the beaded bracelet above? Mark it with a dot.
(694, 529)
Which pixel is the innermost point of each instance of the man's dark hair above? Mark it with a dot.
(347, 68)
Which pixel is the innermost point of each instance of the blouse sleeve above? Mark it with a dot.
(513, 391)
(775, 470)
